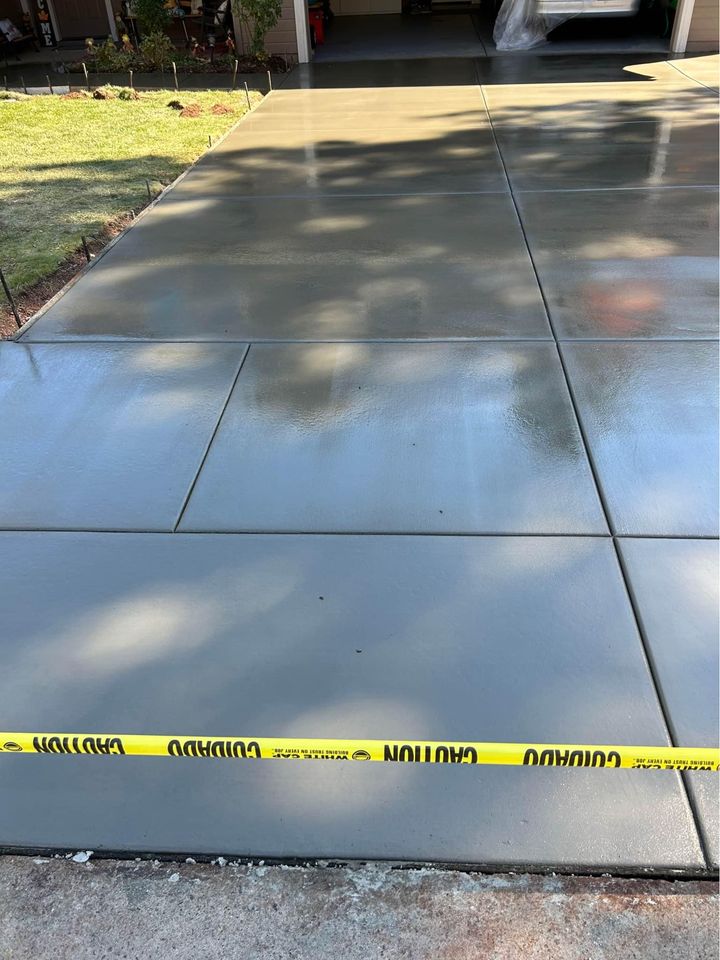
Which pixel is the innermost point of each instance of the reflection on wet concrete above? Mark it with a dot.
(398, 438)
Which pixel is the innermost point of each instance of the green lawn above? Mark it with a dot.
(68, 167)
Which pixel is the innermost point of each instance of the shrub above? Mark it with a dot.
(157, 50)
(258, 16)
(109, 59)
(152, 15)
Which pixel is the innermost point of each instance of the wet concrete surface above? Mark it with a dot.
(155, 910)
(106, 436)
(627, 264)
(637, 154)
(359, 268)
(675, 584)
(413, 637)
(465, 438)
(650, 414)
(350, 163)
(369, 204)
(561, 105)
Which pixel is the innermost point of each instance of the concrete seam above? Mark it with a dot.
(189, 494)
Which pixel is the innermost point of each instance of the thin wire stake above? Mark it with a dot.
(175, 75)
(269, 80)
(209, 140)
(6, 288)
(50, 86)
(234, 79)
(131, 80)
(22, 81)
(87, 78)
(147, 184)
(86, 249)
(247, 94)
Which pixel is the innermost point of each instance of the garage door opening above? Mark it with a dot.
(354, 30)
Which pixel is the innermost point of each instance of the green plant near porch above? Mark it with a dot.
(152, 15)
(258, 17)
(157, 50)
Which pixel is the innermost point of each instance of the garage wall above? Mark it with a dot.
(704, 27)
(345, 8)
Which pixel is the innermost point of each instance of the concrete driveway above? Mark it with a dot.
(396, 417)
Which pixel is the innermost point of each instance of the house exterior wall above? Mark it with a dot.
(281, 40)
(704, 27)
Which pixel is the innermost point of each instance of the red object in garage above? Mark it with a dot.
(317, 22)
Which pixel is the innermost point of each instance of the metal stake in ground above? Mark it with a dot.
(87, 78)
(22, 81)
(175, 75)
(50, 86)
(6, 288)
(234, 79)
(86, 249)
(131, 79)
(269, 80)
(247, 94)
(147, 184)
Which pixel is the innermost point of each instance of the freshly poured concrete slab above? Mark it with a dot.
(106, 436)
(371, 109)
(540, 66)
(675, 585)
(423, 101)
(628, 263)
(409, 159)
(562, 105)
(399, 438)
(704, 70)
(649, 412)
(531, 67)
(408, 637)
(633, 155)
(428, 72)
(325, 269)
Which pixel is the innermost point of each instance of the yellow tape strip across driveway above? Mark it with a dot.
(386, 751)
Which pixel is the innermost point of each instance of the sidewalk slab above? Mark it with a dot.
(628, 155)
(106, 436)
(675, 584)
(398, 438)
(413, 267)
(635, 264)
(650, 414)
(417, 637)
(56, 908)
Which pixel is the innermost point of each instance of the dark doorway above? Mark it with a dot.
(78, 19)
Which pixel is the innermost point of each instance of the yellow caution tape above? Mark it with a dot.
(387, 751)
